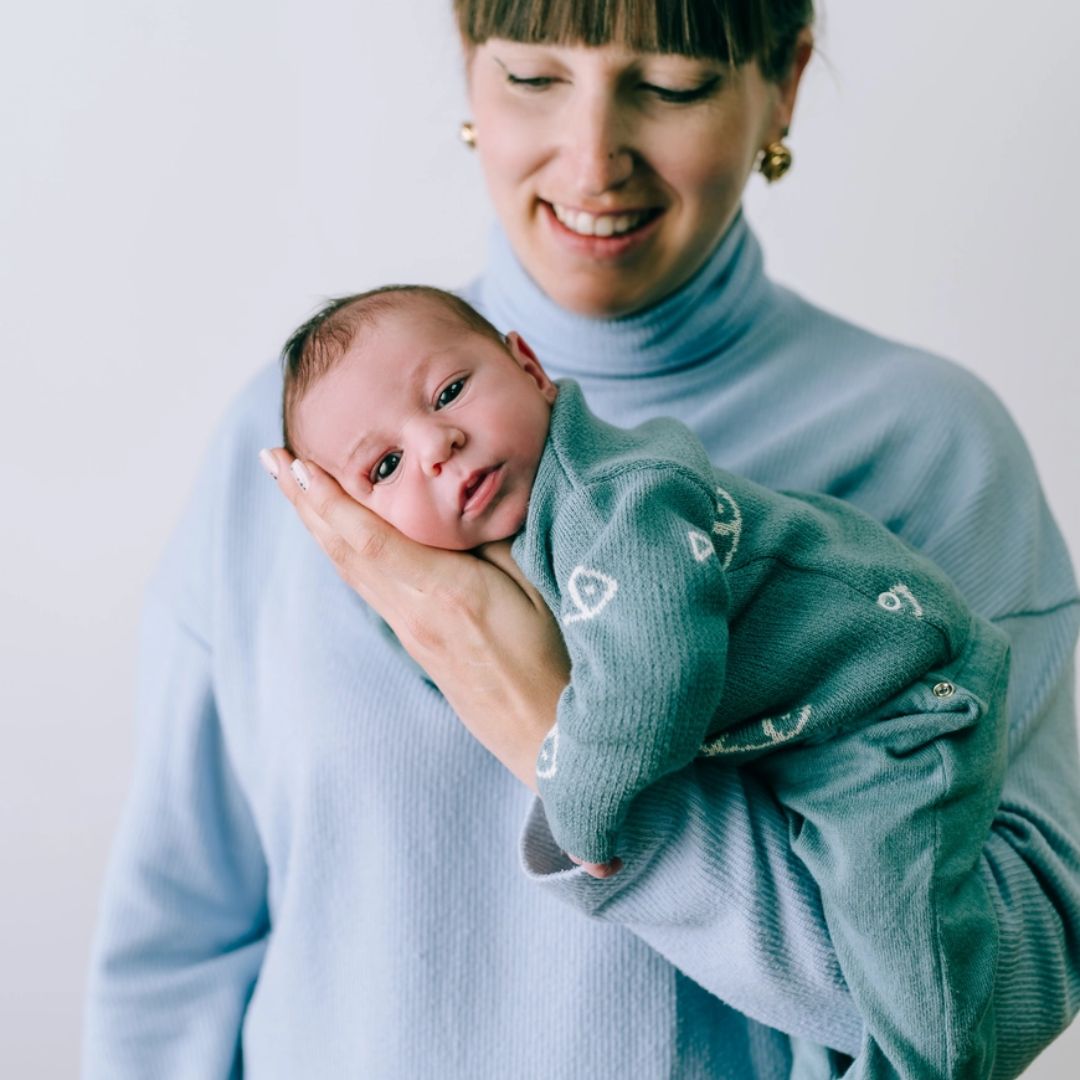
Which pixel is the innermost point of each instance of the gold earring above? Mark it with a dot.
(467, 132)
(775, 161)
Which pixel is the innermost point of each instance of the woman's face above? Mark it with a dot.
(615, 172)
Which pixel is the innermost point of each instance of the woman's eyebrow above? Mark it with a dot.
(546, 57)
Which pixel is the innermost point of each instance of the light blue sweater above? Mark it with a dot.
(319, 872)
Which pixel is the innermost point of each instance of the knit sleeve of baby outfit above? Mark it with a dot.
(643, 612)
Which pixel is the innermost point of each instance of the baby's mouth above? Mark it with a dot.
(478, 488)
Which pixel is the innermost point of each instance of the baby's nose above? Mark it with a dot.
(439, 443)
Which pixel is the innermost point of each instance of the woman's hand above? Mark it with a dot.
(472, 621)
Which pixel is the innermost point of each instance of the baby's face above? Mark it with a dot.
(435, 427)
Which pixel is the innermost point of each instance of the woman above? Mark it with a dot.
(319, 870)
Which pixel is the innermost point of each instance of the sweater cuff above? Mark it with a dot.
(541, 856)
(546, 864)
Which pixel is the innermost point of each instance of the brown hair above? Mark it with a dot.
(732, 31)
(316, 346)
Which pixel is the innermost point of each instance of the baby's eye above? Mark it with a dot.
(451, 392)
(385, 467)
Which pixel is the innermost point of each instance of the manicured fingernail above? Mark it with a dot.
(266, 460)
(303, 477)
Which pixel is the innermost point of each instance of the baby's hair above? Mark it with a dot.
(317, 346)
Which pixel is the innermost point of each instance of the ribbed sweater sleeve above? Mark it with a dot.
(644, 615)
(184, 918)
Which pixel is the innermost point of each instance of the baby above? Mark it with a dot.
(705, 617)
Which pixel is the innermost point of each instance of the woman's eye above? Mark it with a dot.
(449, 393)
(682, 97)
(539, 82)
(385, 467)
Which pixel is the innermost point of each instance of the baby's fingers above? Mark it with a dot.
(598, 870)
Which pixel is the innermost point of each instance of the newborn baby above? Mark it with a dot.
(706, 617)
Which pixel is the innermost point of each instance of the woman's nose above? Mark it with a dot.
(598, 145)
(437, 444)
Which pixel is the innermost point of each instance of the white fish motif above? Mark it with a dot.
(590, 592)
(728, 527)
(899, 597)
(547, 762)
(777, 729)
(701, 545)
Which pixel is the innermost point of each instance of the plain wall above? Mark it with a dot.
(183, 180)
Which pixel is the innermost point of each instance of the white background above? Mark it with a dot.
(183, 180)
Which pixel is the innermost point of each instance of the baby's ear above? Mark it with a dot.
(528, 361)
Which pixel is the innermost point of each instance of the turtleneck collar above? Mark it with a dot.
(697, 323)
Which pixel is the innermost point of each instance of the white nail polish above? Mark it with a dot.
(266, 460)
(303, 477)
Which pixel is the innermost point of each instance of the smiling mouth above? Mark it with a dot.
(615, 224)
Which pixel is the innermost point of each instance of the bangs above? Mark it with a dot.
(731, 31)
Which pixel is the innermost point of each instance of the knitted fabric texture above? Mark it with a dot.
(704, 613)
(320, 873)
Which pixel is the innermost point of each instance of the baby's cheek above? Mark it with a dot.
(508, 522)
(423, 526)
(394, 511)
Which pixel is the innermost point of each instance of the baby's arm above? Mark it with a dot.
(644, 614)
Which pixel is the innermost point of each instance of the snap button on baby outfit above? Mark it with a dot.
(944, 689)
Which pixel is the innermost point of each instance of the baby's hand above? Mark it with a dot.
(598, 870)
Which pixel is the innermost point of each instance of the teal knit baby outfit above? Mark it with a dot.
(706, 615)
(711, 621)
